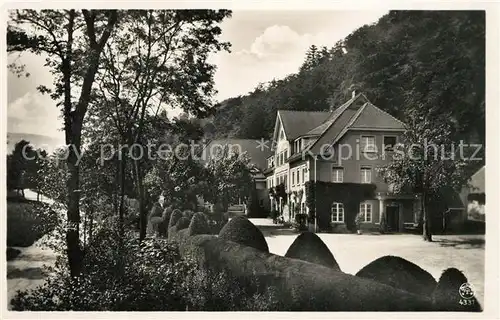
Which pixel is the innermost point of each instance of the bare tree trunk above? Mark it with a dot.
(91, 227)
(122, 166)
(140, 198)
(427, 232)
(72, 235)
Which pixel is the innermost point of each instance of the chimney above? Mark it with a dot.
(353, 94)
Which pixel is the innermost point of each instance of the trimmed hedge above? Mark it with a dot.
(446, 295)
(188, 214)
(176, 215)
(199, 224)
(309, 247)
(156, 210)
(242, 231)
(182, 223)
(154, 225)
(300, 285)
(399, 273)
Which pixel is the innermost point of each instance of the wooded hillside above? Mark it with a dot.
(431, 60)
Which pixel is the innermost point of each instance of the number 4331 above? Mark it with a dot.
(467, 302)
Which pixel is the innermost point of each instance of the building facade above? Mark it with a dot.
(345, 145)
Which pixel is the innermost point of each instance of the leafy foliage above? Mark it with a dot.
(229, 177)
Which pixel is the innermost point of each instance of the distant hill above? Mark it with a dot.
(38, 141)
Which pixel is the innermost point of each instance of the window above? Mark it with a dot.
(282, 135)
(298, 177)
(337, 175)
(366, 175)
(293, 178)
(366, 211)
(303, 175)
(368, 144)
(389, 143)
(337, 212)
(303, 207)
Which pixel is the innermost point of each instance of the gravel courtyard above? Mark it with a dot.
(352, 251)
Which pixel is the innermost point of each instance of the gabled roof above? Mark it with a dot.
(255, 150)
(296, 123)
(339, 120)
(331, 119)
(373, 117)
(357, 113)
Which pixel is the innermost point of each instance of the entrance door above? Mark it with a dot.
(392, 212)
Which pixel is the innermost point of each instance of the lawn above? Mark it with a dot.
(353, 252)
(28, 221)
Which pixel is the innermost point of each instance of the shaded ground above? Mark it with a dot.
(353, 252)
(26, 271)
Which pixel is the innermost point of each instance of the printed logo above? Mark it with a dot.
(466, 291)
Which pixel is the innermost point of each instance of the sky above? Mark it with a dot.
(266, 45)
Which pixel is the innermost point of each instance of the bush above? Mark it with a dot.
(176, 215)
(154, 226)
(188, 214)
(220, 291)
(300, 223)
(156, 210)
(131, 277)
(216, 221)
(446, 295)
(182, 223)
(399, 273)
(150, 276)
(300, 285)
(309, 247)
(242, 231)
(28, 221)
(199, 225)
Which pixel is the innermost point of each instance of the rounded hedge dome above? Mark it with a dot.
(399, 273)
(188, 214)
(309, 247)
(183, 223)
(174, 217)
(199, 224)
(241, 230)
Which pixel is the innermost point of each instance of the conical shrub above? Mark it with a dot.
(309, 247)
(242, 231)
(399, 273)
(174, 217)
(199, 224)
(188, 214)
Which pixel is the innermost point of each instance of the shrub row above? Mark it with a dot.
(301, 285)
